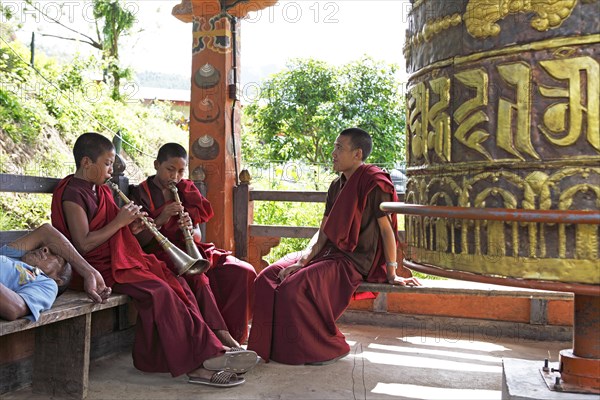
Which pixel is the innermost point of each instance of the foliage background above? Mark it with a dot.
(44, 109)
(287, 138)
(303, 108)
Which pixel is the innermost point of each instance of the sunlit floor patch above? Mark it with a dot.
(454, 344)
(426, 362)
(442, 353)
(428, 392)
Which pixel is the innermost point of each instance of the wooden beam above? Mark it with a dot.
(288, 195)
(283, 231)
(27, 184)
(240, 220)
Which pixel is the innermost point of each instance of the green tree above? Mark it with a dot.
(370, 98)
(305, 106)
(116, 20)
(112, 20)
(295, 122)
(8, 25)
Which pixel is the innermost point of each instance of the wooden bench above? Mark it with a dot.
(62, 343)
(63, 334)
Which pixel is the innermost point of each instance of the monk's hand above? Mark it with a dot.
(138, 225)
(284, 273)
(127, 214)
(171, 210)
(397, 280)
(186, 222)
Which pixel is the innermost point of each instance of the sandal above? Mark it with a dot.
(219, 379)
(234, 349)
(238, 361)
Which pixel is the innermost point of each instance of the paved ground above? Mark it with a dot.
(385, 363)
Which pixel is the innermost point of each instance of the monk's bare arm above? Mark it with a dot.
(78, 225)
(388, 238)
(389, 244)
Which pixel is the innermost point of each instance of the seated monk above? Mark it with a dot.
(299, 298)
(225, 292)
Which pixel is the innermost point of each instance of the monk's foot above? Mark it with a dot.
(201, 372)
(226, 338)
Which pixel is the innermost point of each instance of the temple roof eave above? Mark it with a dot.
(187, 9)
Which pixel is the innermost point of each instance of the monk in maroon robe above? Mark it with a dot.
(299, 298)
(171, 335)
(225, 292)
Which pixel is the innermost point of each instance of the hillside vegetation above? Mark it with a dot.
(43, 109)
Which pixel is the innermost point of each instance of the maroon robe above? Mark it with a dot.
(171, 335)
(226, 291)
(294, 320)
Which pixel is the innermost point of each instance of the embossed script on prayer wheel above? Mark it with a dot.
(503, 112)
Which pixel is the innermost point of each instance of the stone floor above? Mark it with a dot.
(384, 363)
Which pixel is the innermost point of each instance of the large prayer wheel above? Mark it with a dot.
(503, 113)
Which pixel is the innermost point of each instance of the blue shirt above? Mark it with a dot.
(38, 290)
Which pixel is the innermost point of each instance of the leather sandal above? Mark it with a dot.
(239, 361)
(220, 379)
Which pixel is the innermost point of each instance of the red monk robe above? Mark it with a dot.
(171, 335)
(229, 284)
(294, 320)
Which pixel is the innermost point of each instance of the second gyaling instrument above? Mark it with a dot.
(182, 262)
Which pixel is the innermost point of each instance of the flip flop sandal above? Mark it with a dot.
(232, 361)
(220, 379)
(234, 349)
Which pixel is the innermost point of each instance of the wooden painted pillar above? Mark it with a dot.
(214, 145)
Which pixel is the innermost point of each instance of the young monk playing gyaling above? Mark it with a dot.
(171, 335)
(224, 293)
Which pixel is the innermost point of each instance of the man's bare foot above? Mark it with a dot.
(226, 338)
(200, 373)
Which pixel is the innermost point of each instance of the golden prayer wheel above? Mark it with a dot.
(503, 116)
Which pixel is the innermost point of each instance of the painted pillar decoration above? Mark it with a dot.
(214, 148)
(503, 111)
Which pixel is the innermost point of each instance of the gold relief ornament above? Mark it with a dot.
(493, 247)
(481, 15)
(580, 108)
(517, 141)
(422, 116)
(506, 116)
(470, 114)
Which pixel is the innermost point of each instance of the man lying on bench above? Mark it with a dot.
(35, 268)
